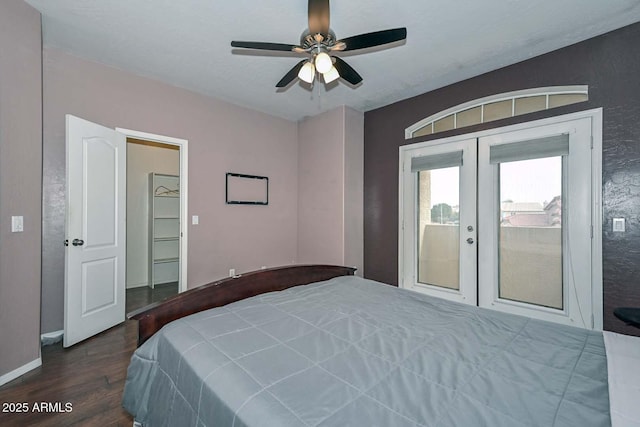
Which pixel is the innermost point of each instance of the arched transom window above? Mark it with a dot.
(496, 107)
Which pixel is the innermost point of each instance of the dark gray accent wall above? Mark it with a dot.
(20, 184)
(610, 65)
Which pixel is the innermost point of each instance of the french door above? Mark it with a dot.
(440, 218)
(503, 220)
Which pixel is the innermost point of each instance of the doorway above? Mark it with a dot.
(96, 225)
(142, 289)
(508, 219)
(153, 217)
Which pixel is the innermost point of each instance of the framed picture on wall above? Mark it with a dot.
(244, 189)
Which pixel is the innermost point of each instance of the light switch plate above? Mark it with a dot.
(618, 225)
(17, 224)
(195, 220)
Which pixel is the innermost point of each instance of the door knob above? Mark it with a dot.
(470, 240)
(77, 242)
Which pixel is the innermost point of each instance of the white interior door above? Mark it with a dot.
(438, 201)
(95, 229)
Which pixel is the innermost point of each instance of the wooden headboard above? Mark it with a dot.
(153, 317)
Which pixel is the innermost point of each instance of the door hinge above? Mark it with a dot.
(591, 141)
(592, 321)
(592, 231)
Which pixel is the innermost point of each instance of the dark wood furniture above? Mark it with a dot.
(629, 315)
(154, 316)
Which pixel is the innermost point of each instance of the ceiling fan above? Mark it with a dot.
(319, 43)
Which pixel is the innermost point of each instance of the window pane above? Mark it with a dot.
(529, 104)
(530, 251)
(573, 98)
(469, 117)
(439, 228)
(497, 110)
(445, 123)
(424, 130)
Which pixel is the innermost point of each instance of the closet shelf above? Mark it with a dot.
(165, 260)
(165, 239)
(164, 229)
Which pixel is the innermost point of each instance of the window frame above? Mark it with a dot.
(595, 116)
(481, 102)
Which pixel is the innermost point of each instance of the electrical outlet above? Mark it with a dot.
(232, 272)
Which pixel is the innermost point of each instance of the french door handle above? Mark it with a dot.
(470, 240)
(77, 242)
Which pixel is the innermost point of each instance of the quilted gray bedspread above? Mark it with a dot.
(353, 352)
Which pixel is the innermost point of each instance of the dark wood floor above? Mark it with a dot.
(90, 375)
(139, 297)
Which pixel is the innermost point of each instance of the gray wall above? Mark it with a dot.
(330, 177)
(20, 183)
(353, 186)
(222, 138)
(321, 185)
(609, 64)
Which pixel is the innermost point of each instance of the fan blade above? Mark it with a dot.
(265, 46)
(318, 17)
(346, 72)
(376, 38)
(292, 74)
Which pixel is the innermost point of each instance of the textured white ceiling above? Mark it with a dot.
(187, 43)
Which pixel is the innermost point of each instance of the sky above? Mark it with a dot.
(537, 180)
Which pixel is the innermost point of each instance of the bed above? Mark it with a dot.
(318, 346)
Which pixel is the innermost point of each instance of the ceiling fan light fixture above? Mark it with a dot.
(317, 42)
(307, 73)
(331, 75)
(323, 62)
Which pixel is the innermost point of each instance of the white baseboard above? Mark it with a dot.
(51, 337)
(10, 376)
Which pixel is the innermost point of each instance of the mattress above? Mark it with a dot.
(354, 352)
